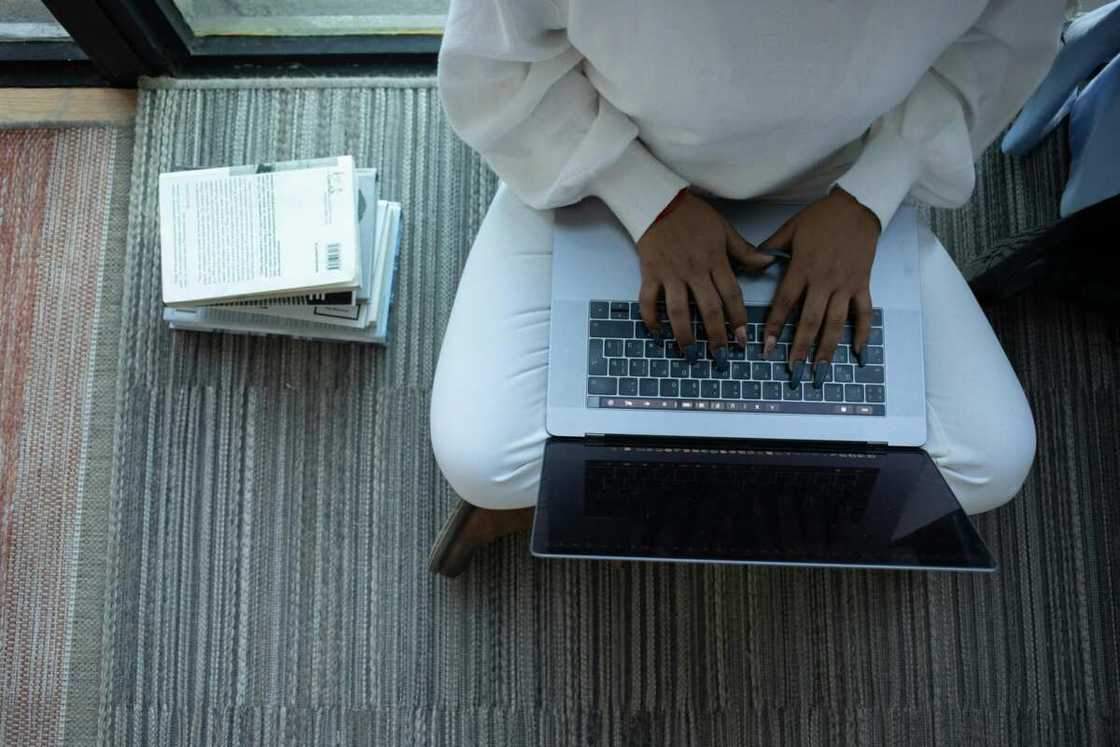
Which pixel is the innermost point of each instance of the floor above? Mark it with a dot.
(304, 609)
(66, 107)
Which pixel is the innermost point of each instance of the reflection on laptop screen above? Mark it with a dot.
(752, 505)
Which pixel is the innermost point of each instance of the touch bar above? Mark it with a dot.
(723, 405)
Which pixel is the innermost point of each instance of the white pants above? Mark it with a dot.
(488, 397)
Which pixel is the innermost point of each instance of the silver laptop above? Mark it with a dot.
(655, 459)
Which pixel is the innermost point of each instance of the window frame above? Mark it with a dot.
(114, 42)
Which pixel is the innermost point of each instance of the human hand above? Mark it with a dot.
(690, 250)
(833, 245)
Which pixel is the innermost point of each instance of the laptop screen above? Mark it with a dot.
(777, 504)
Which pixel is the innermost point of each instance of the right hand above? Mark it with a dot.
(690, 251)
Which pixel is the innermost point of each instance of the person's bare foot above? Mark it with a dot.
(468, 528)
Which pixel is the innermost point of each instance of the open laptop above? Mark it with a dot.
(653, 459)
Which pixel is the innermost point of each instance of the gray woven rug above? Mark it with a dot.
(275, 500)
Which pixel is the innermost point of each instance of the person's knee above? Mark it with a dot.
(998, 462)
(481, 464)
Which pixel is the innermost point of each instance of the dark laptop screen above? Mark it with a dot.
(779, 504)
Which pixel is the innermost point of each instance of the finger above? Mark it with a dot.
(789, 293)
(783, 236)
(834, 319)
(676, 301)
(711, 312)
(647, 298)
(732, 297)
(812, 314)
(745, 254)
(862, 304)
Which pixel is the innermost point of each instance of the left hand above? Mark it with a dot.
(832, 242)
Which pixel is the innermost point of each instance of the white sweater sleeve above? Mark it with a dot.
(928, 144)
(513, 89)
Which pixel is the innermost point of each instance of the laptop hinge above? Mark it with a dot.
(611, 439)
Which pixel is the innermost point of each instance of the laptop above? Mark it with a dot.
(650, 458)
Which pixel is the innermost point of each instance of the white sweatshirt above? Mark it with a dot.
(631, 100)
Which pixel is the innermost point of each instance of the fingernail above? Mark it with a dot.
(655, 335)
(741, 336)
(720, 358)
(692, 354)
(768, 346)
(859, 356)
(819, 372)
(795, 373)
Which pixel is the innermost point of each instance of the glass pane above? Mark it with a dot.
(28, 20)
(312, 17)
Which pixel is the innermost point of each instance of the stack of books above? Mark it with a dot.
(300, 248)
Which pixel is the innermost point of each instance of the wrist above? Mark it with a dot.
(674, 203)
(846, 197)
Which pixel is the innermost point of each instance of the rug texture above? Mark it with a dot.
(274, 502)
(63, 219)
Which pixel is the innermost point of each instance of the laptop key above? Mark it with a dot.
(659, 369)
(601, 385)
(653, 350)
(875, 393)
(647, 388)
(721, 373)
(612, 348)
(760, 371)
(639, 367)
(640, 331)
(635, 349)
(772, 390)
(741, 370)
(620, 310)
(752, 390)
(842, 373)
(841, 354)
(853, 392)
(611, 328)
(754, 351)
(618, 367)
(673, 350)
(635, 311)
(596, 363)
(690, 388)
(628, 387)
(701, 369)
(600, 309)
(876, 317)
(670, 388)
(872, 354)
(729, 390)
(812, 393)
(834, 392)
(869, 374)
(709, 389)
(780, 372)
(678, 369)
(876, 336)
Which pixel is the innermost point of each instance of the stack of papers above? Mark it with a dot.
(301, 248)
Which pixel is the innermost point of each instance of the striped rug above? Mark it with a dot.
(276, 500)
(273, 503)
(63, 213)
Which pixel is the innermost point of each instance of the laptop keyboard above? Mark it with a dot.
(626, 369)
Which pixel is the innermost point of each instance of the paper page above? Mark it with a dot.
(273, 231)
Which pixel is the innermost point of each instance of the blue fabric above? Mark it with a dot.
(1090, 41)
(1094, 142)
